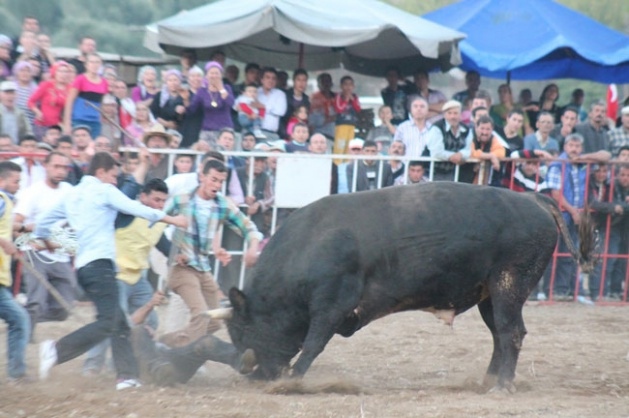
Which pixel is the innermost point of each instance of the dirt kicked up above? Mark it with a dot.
(573, 364)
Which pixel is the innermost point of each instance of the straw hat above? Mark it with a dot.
(157, 130)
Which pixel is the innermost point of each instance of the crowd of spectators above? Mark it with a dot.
(76, 108)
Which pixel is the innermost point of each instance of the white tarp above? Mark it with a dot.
(365, 36)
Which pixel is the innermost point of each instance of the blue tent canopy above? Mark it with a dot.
(535, 40)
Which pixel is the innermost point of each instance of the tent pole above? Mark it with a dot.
(508, 78)
(300, 64)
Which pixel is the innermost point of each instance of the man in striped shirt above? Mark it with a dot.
(190, 277)
(414, 132)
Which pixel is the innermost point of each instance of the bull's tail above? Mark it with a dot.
(586, 254)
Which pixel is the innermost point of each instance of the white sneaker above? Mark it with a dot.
(541, 296)
(47, 358)
(123, 384)
(584, 300)
(259, 134)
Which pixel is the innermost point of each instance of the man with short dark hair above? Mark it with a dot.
(567, 179)
(32, 170)
(394, 95)
(565, 127)
(541, 139)
(65, 146)
(274, 101)
(368, 172)
(472, 81)
(87, 45)
(486, 147)
(135, 238)
(619, 137)
(51, 135)
(416, 174)
(594, 133)
(91, 208)
(56, 267)
(205, 208)
(11, 312)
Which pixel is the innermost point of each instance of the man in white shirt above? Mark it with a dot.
(274, 101)
(55, 267)
(32, 170)
(91, 208)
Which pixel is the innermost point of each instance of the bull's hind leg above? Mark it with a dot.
(502, 312)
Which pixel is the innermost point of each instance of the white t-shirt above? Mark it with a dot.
(38, 199)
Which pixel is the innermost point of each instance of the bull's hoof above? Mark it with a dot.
(247, 362)
(490, 381)
(506, 389)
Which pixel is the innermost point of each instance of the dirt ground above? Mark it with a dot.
(573, 364)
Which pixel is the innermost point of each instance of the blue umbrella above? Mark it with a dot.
(535, 40)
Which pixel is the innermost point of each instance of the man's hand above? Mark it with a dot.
(251, 256)
(495, 162)
(618, 210)
(181, 259)
(542, 154)
(158, 298)
(8, 247)
(250, 200)
(253, 209)
(223, 256)
(576, 216)
(456, 158)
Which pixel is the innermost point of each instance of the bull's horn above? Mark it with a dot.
(220, 313)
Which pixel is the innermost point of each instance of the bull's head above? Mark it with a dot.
(259, 332)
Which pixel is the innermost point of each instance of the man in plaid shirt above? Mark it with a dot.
(190, 275)
(567, 179)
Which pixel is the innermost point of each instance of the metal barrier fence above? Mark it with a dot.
(613, 254)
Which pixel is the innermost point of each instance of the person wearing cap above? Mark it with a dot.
(13, 121)
(216, 101)
(48, 100)
(619, 137)
(451, 141)
(84, 98)
(110, 121)
(168, 105)
(157, 138)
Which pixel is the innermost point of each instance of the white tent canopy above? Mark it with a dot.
(365, 36)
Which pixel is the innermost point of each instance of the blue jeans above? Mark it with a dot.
(566, 269)
(614, 270)
(17, 319)
(248, 124)
(131, 298)
(99, 282)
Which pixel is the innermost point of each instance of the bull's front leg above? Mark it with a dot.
(319, 334)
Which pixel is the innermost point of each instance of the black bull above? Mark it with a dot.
(346, 260)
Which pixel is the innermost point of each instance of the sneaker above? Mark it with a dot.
(585, 300)
(123, 384)
(259, 134)
(541, 296)
(22, 380)
(47, 358)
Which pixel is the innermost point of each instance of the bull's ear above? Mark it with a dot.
(238, 301)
